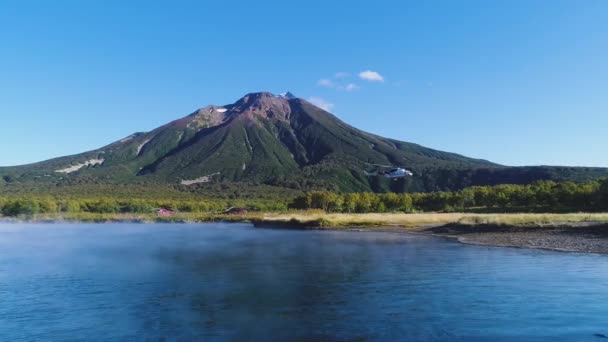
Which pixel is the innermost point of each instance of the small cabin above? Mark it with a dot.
(235, 211)
(164, 212)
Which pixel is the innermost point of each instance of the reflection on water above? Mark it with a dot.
(235, 282)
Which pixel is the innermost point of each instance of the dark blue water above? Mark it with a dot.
(235, 282)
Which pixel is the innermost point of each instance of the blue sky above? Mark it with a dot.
(515, 82)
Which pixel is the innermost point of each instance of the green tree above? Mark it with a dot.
(21, 207)
(603, 194)
(47, 205)
(365, 202)
(407, 204)
(350, 202)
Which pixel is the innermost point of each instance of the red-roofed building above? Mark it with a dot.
(164, 212)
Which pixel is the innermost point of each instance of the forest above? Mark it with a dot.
(541, 196)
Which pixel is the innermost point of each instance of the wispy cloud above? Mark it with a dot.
(349, 87)
(372, 76)
(337, 82)
(340, 79)
(321, 103)
(340, 75)
(327, 83)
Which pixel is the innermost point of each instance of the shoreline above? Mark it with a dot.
(584, 238)
(582, 233)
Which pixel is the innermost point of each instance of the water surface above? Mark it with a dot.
(236, 282)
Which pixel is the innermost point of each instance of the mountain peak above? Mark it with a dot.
(263, 104)
(268, 95)
(287, 95)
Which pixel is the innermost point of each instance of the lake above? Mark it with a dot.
(236, 282)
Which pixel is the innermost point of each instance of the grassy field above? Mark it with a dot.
(320, 219)
(432, 219)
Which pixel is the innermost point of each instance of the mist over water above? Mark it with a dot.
(235, 282)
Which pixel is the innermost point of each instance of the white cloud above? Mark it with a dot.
(321, 103)
(342, 75)
(339, 79)
(371, 76)
(348, 87)
(327, 83)
(351, 87)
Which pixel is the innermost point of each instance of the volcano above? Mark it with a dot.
(279, 140)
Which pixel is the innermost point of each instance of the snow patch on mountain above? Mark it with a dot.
(286, 95)
(129, 138)
(142, 145)
(203, 179)
(79, 166)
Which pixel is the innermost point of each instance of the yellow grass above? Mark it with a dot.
(427, 219)
(319, 218)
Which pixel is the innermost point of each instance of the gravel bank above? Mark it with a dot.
(581, 238)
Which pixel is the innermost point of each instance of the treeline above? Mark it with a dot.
(29, 205)
(149, 190)
(541, 196)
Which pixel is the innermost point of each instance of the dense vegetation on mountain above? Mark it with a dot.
(264, 141)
